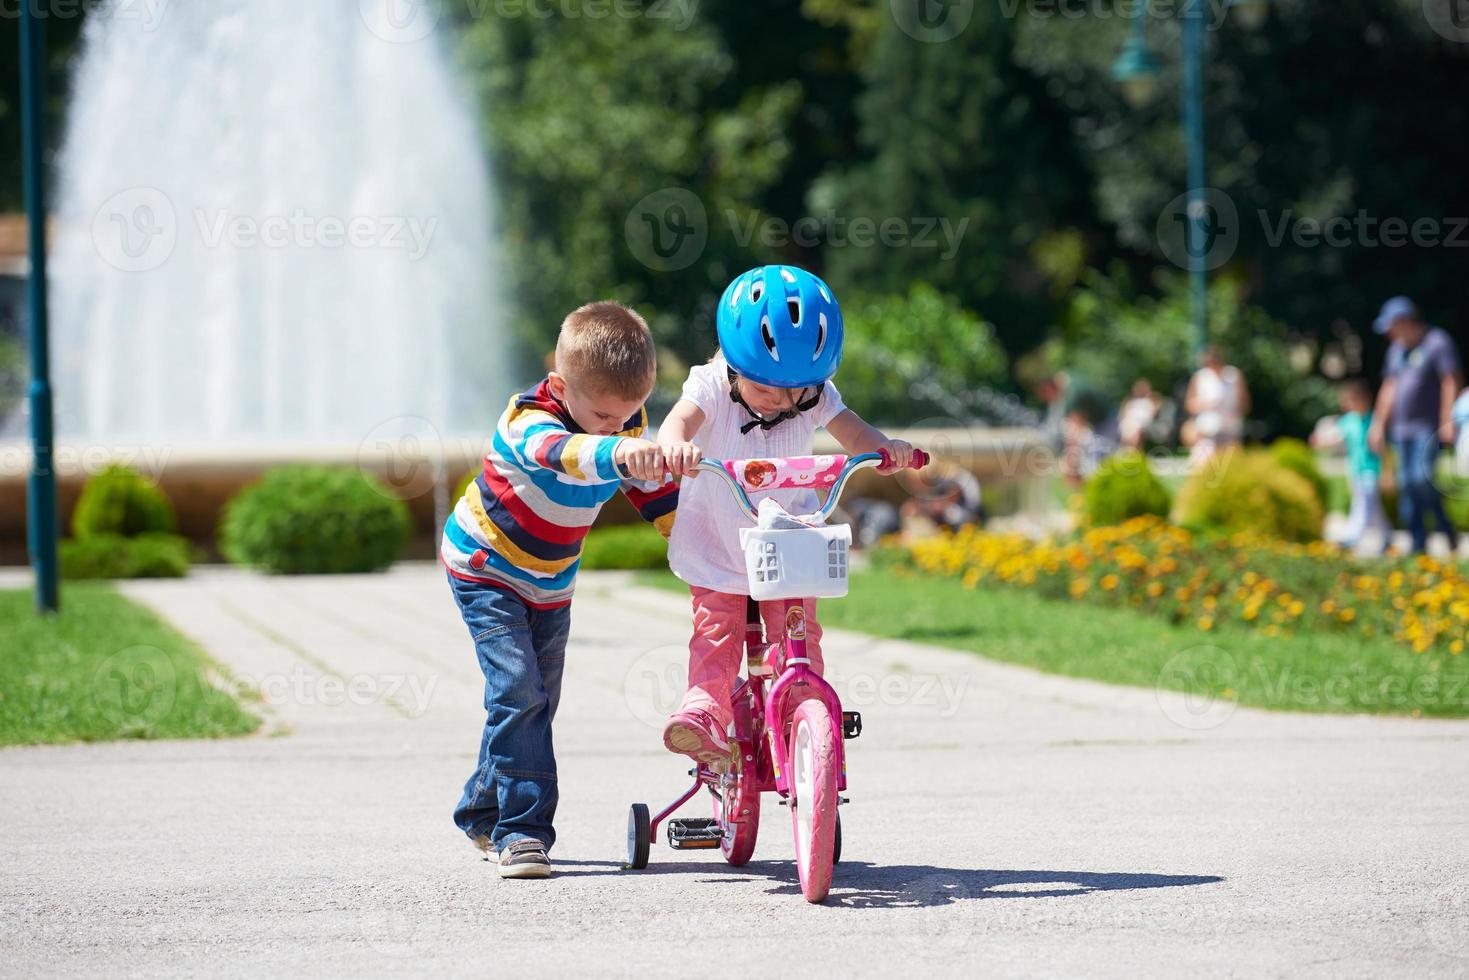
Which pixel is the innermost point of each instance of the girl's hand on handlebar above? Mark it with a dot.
(643, 460)
(899, 455)
(682, 459)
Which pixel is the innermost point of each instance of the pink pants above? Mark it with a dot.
(717, 649)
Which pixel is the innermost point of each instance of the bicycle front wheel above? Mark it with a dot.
(813, 762)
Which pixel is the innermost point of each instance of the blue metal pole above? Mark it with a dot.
(1193, 124)
(41, 502)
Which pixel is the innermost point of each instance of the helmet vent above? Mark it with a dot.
(788, 276)
(820, 335)
(734, 299)
(757, 289)
(794, 306)
(768, 337)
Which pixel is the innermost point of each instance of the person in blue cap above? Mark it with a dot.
(1415, 411)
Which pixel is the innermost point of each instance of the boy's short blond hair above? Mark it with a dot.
(605, 348)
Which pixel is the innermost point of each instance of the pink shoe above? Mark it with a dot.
(696, 734)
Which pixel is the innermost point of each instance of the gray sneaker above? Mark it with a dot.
(526, 858)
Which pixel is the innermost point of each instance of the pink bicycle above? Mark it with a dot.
(802, 757)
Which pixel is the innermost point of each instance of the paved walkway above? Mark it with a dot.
(1001, 821)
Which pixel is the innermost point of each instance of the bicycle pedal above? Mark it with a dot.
(851, 724)
(694, 833)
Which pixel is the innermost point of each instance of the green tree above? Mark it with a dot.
(959, 132)
(1112, 335)
(588, 117)
(896, 346)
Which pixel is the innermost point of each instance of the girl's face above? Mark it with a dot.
(766, 400)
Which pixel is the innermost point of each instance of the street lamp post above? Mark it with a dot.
(41, 500)
(1137, 72)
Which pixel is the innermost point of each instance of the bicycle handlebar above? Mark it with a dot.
(853, 464)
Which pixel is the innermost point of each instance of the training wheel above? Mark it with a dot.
(639, 836)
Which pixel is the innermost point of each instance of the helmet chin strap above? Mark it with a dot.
(760, 421)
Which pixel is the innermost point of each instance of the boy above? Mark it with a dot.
(511, 548)
(1364, 468)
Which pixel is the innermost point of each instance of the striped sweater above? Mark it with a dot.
(521, 521)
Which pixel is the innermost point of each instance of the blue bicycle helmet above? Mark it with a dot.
(780, 326)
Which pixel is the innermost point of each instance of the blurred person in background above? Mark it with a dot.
(1137, 415)
(1217, 402)
(947, 495)
(1415, 412)
(1364, 466)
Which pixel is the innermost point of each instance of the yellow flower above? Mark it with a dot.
(1206, 622)
(1109, 582)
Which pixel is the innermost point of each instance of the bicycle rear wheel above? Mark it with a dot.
(738, 813)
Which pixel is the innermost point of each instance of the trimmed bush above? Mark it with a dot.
(1300, 459)
(114, 556)
(307, 519)
(121, 501)
(1124, 487)
(1240, 490)
(624, 546)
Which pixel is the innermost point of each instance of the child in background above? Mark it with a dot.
(511, 549)
(1364, 467)
(1461, 445)
(762, 396)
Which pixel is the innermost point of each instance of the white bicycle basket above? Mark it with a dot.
(796, 563)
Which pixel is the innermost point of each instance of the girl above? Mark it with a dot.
(762, 396)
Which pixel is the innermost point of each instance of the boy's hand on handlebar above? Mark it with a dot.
(643, 460)
(899, 455)
(683, 458)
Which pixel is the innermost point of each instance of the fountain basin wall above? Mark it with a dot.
(200, 480)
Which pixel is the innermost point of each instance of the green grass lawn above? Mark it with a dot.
(1310, 672)
(106, 668)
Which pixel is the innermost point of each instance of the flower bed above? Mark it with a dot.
(1243, 581)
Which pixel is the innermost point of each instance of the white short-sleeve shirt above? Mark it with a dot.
(704, 548)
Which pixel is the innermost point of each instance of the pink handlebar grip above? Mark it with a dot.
(919, 461)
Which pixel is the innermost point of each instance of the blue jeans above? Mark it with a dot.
(512, 792)
(1418, 496)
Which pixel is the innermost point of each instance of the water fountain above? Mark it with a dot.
(272, 241)
(274, 227)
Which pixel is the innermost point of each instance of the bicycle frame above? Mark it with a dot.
(763, 749)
